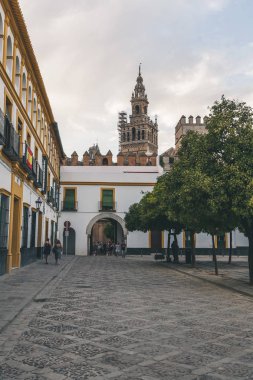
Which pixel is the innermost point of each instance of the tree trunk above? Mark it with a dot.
(193, 248)
(250, 258)
(214, 256)
(230, 247)
(175, 238)
(168, 247)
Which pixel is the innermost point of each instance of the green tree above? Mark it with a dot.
(230, 133)
(198, 196)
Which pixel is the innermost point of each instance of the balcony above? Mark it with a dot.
(38, 174)
(69, 206)
(2, 134)
(27, 161)
(50, 196)
(11, 140)
(102, 206)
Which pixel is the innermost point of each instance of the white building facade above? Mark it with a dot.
(89, 184)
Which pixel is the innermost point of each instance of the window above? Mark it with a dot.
(52, 232)
(8, 108)
(107, 199)
(133, 134)
(1, 36)
(9, 56)
(24, 89)
(139, 135)
(25, 227)
(17, 78)
(4, 221)
(33, 229)
(28, 139)
(143, 134)
(137, 109)
(70, 200)
(44, 169)
(105, 162)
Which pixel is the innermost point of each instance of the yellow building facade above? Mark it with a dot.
(30, 147)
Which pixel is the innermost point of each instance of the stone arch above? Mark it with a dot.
(104, 215)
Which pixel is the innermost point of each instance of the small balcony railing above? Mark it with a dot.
(107, 207)
(2, 128)
(50, 196)
(27, 161)
(38, 175)
(11, 141)
(69, 206)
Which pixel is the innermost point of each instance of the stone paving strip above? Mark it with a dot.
(129, 319)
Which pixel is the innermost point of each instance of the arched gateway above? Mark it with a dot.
(104, 216)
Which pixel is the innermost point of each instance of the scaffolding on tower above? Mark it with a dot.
(122, 122)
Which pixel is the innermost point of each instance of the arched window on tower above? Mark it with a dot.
(133, 134)
(139, 134)
(143, 134)
(128, 136)
(137, 109)
(123, 137)
(145, 110)
(105, 162)
(9, 56)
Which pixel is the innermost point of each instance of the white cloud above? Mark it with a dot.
(89, 52)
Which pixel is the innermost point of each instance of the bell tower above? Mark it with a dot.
(140, 134)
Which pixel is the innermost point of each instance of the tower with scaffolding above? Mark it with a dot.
(122, 122)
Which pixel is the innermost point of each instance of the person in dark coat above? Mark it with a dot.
(175, 251)
(47, 249)
(57, 250)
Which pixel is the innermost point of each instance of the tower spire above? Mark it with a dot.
(140, 69)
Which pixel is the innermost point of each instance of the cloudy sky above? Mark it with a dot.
(192, 52)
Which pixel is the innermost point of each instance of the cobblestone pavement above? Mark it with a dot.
(232, 276)
(110, 318)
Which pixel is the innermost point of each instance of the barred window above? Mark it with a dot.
(4, 220)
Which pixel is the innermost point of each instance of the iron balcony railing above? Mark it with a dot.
(102, 206)
(27, 161)
(11, 141)
(38, 174)
(69, 205)
(2, 128)
(50, 196)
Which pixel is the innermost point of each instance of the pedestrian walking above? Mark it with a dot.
(175, 251)
(117, 249)
(57, 250)
(123, 250)
(47, 249)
